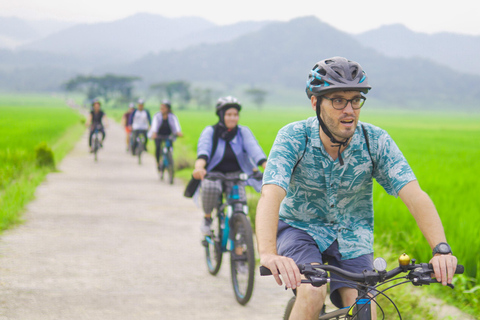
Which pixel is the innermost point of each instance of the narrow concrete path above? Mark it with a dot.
(109, 240)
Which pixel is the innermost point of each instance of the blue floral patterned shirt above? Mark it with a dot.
(329, 201)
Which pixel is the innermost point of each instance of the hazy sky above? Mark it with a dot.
(353, 16)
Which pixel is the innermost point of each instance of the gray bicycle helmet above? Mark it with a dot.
(334, 74)
(225, 103)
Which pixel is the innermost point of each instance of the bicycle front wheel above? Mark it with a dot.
(242, 258)
(96, 146)
(170, 167)
(213, 246)
(288, 309)
(138, 151)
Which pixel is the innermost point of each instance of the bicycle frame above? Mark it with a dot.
(226, 212)
(168, 146)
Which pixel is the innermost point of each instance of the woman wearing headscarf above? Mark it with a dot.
(228, 148)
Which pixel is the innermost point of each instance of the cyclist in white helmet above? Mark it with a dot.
(229, 148)
(164, 124)
(140, 121)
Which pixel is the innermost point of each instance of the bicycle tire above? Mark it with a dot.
(96, 146)
(163, 164)
(170, 167)
(242, 278)
(213, 247)
(138, 151)
(288, 309)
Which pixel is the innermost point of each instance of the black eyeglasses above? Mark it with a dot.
(341, 103)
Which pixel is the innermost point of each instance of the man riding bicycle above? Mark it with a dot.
(316, 203)
(227, 148)
(140, 121)
(164, 124)
(95, 122)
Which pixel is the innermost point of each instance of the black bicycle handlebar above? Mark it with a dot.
(240, 177)
(418, 274)
(171, 137)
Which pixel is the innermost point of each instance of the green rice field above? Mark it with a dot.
(25, 123)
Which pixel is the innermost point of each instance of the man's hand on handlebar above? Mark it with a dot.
(285, 266)
(444, 266)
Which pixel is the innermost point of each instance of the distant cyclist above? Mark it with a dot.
(164, 124)
(140, 121)
(125, 118)
(95, 121)
(230, 149)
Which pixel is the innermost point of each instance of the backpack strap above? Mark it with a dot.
(368, 147)
(304, 150)
(214, 143)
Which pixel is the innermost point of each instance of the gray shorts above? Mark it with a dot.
(302, 248)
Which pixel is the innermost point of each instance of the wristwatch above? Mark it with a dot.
(442, 248)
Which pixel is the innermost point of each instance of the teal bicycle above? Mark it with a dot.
(140, 144)
(231, 231)
(166, 162)
(96, 142)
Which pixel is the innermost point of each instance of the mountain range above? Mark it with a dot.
(402, 65)
(456, 51)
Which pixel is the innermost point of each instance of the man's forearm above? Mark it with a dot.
(266, 222)
(423, 210)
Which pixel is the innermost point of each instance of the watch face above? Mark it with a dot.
(443, 248)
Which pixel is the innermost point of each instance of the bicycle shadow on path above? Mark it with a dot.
(109, 240)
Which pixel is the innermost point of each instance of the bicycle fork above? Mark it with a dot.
(362, 309)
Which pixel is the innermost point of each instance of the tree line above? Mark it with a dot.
(120, 90)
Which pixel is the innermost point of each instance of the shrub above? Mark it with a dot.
(44, 156)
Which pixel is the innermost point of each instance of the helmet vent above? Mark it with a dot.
(354, 72)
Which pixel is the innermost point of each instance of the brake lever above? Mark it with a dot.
(422, 276)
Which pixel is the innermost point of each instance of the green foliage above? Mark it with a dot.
(108, 86)
(179, 90)
(44, 155)
(28, 126)
(258, 96)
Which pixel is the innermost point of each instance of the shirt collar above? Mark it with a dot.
(354, 145)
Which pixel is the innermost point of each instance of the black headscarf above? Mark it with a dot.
(220, 130)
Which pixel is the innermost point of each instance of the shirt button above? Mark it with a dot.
(332, 205)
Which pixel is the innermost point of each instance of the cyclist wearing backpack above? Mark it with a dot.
(228, 148)
(139, 121)
(316, 203)
(95, 121)
(164, 124)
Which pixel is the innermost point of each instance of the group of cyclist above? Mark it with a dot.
(316, 203)
(137, 121)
